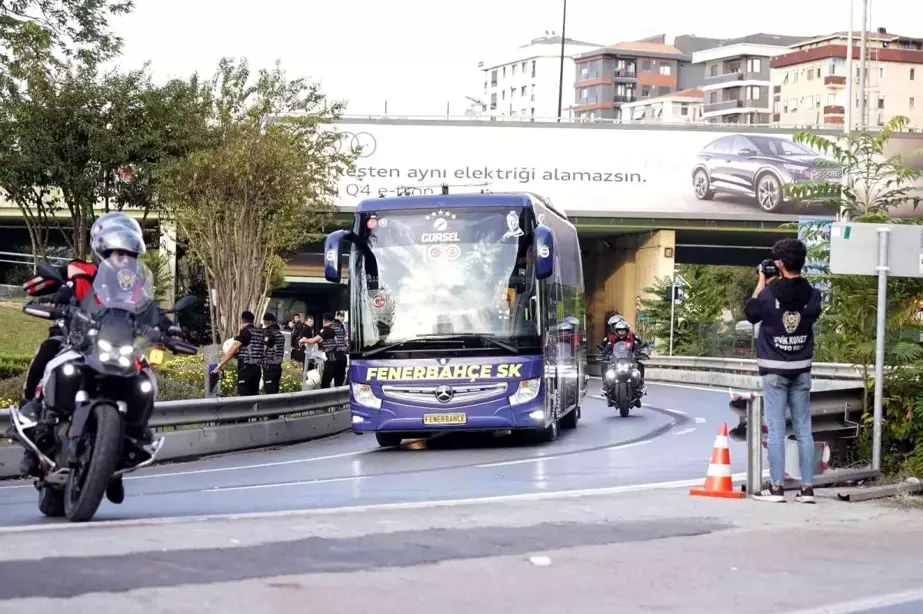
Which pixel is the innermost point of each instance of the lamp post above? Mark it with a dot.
(561, 71)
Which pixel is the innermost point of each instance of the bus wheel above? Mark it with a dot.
(570, 420)
(549, 434)
(388, 440)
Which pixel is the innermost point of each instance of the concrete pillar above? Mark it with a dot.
(168, 248)
(616, 271)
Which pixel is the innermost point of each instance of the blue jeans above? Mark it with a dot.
(794, 392)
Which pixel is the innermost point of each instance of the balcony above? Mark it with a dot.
(834, 109)
(620, 99)
(723, 105)
(731, 77)
(834, 80)
(625, 74)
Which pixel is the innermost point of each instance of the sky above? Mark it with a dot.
(420, 56)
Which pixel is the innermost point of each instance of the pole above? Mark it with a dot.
(850, 103)
(880, 343)
(672, 310)
(561, 71)
(863, 58)
(754, 444)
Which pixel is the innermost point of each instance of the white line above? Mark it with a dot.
(700, 420)
(409, 505)
(284, 484)
(225, 469)
(861, 605)
(685, 431)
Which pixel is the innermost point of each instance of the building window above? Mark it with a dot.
(754, 65)
(493, 78)
(524, 67)
(881, 103)
(533, 92)
(503, 95)
(522, 92)
(913, 73)
(810, 74)
(684, 109)
(794, 104)
(753, 92)
(712, 97)
(645, 91)
(493, 100)
(512, 93)
(504, 72)
(533, 111)
(775, 106)
(713, 70)
(584, 72)
(666, 69)
(583, 93)
(646, 66)
(881, 72)
(514, 67)
(817, 73)
(912, 101)
(533, 69)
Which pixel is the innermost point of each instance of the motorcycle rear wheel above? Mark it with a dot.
(104, 430)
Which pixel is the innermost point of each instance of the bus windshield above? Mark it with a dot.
(443, 274)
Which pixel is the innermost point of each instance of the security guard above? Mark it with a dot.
(273, 355)
(332, 338)
(248, 346)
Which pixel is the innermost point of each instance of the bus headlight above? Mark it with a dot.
(528, 390)
(363, 395)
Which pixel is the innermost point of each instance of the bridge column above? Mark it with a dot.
(617, 269)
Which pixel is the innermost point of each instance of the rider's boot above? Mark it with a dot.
(116, 490)
(29, 465)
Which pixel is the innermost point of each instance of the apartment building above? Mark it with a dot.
(736, 78)
(524, 82)
(809, 82)
(679, 107)
(610, 77)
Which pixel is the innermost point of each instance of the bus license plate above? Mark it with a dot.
(445, 418)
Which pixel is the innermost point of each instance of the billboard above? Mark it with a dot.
(585, 169)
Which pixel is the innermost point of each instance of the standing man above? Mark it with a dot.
(297, 353)
(248, 346)
(273, 355)
(334, 348)
(786, 310)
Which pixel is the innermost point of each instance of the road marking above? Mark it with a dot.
(295, 461)
(867, 604)
(685, 431)
(535, 459)
(408, 505)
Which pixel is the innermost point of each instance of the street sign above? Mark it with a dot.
(854, 249)
(882, 250)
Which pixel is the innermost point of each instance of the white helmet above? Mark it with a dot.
(312, 380)
(117, 237)
(115, 218)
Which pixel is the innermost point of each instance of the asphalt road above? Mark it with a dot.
(669, 439)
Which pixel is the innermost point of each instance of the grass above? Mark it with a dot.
(19, 333)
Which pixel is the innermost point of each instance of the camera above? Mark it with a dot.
(769, 268)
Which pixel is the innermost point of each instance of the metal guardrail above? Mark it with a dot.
(231, 424)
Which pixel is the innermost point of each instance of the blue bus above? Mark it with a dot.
(466, 314)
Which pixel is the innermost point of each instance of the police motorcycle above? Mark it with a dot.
(622, 385)
(99, 383)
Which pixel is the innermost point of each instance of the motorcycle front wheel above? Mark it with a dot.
(98, 455)
(623, 400)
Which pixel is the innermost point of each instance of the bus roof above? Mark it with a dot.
(430, 201)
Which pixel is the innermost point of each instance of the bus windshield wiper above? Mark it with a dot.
(443, 337)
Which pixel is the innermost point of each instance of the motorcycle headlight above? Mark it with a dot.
(622, 367)
(610, 374)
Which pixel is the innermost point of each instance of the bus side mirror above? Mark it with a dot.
(332, 255)
(544, 252)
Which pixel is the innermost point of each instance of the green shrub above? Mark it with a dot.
(11, 390)
(12, 365)
(190, 371)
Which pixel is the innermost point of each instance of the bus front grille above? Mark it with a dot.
(462, 393)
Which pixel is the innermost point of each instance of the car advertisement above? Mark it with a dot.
(592, 170)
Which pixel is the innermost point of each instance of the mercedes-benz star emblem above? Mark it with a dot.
(444, 394)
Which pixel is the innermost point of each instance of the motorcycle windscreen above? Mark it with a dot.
(622, 351)
(124, 282)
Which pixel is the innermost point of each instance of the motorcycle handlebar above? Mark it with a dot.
(180, 346)
(45, 311)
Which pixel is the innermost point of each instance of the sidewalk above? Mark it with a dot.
(661, 551)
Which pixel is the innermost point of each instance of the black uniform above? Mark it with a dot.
(272, 359)
(333, 342)
(249, 358)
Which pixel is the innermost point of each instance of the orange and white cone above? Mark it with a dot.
(718, 478)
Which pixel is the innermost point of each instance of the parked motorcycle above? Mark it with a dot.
(622, 385)
(100, 384)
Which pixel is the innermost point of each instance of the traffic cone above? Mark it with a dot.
(718, 477)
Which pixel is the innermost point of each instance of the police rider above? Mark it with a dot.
(622, 332)
(78, 276)
(273, 354)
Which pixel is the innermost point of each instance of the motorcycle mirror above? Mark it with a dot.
(49, 272)
(187, 302)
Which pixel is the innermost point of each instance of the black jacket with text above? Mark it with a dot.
(786, 310)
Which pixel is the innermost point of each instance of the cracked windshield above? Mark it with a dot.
(447, 272)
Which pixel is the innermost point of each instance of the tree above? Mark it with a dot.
(77, 139)
(39, 32)
(265, 188)
(875, 182)
(701, 306)
(847, 326)
(737, 285)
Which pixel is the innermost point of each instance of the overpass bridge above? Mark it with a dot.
(643, 197)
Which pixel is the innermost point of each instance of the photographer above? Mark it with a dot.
(786, 310)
